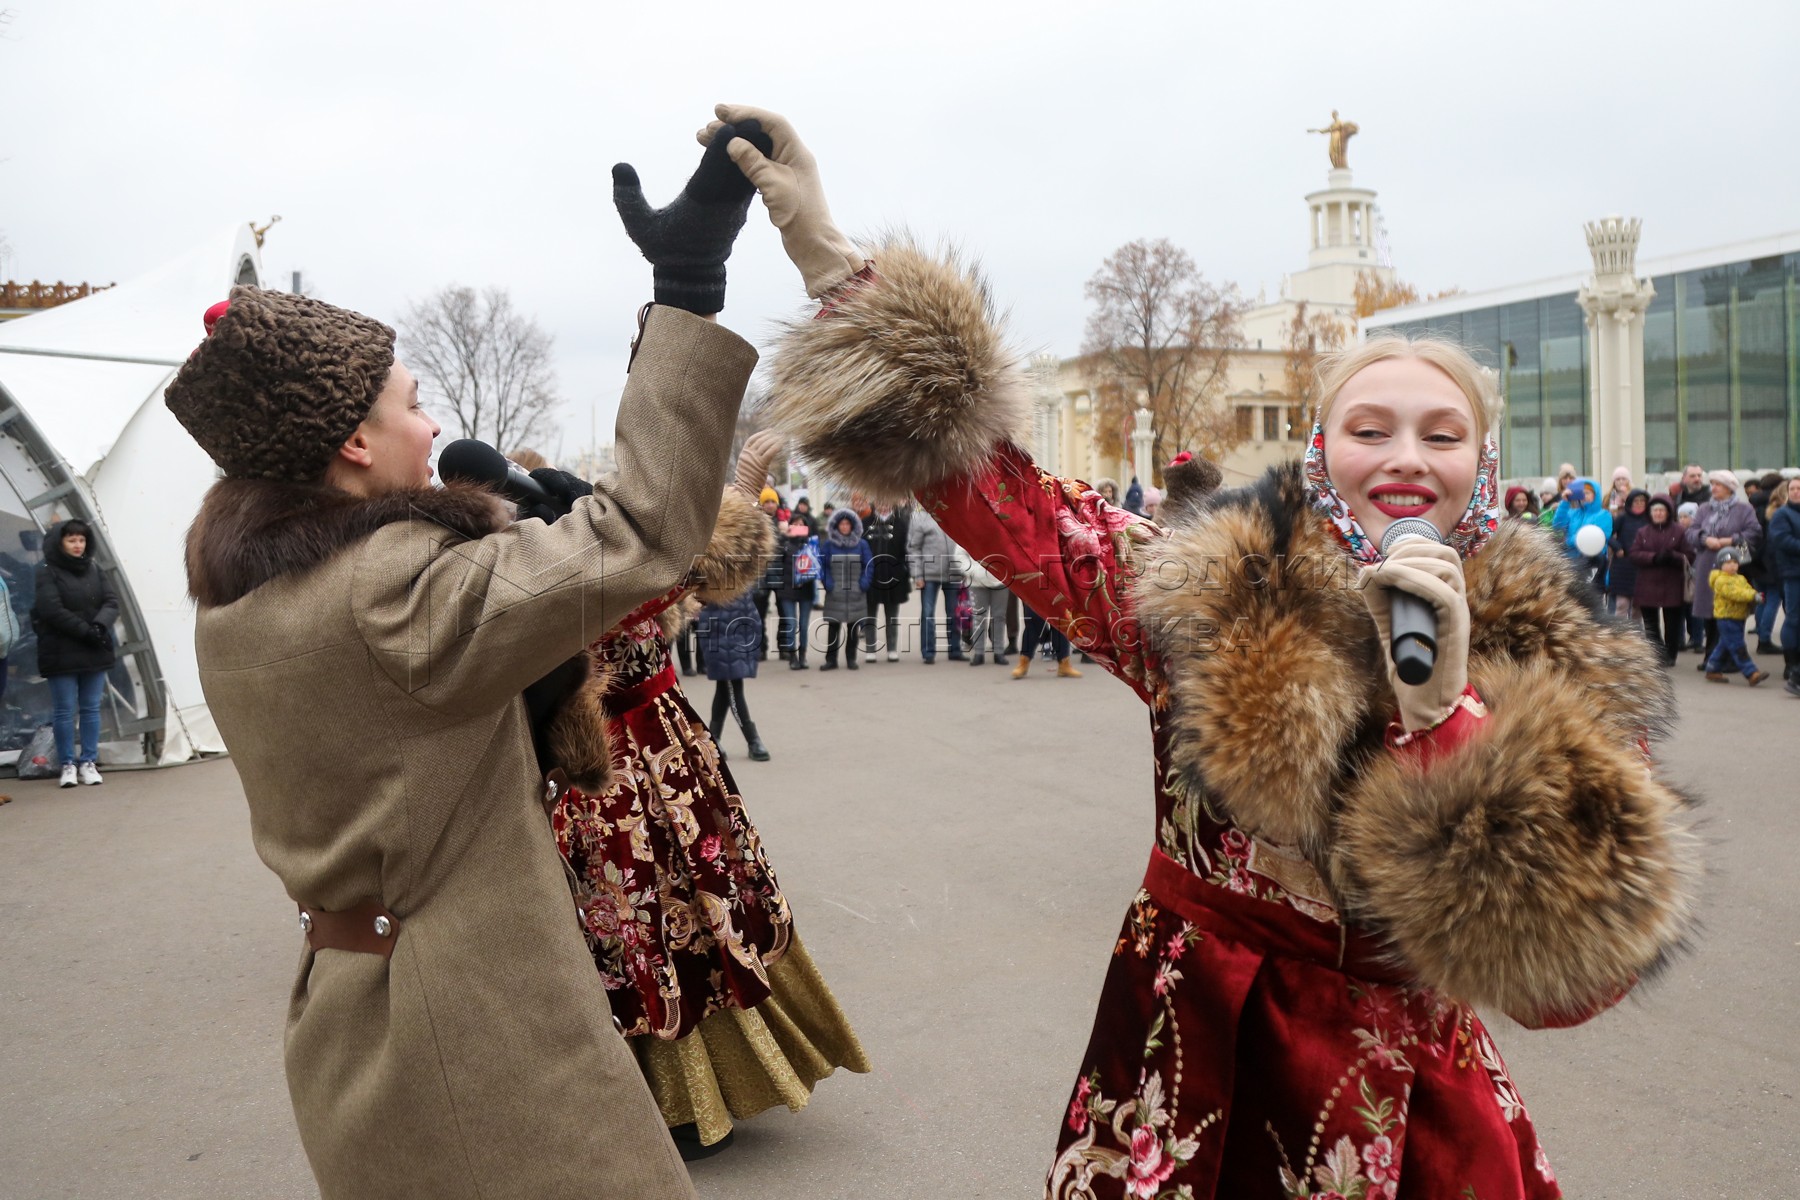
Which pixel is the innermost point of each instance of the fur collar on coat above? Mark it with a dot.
(252, 531)
(1536, 869)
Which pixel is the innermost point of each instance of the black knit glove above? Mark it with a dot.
(98, 634)
(688, 241)
(564, 490)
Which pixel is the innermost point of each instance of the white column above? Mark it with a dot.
(1143, 436)
(1614, 300)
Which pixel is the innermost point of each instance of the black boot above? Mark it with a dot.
(1790, 665)
(758, 751)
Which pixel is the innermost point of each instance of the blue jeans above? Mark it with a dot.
(928, 620)
(1790, 627)
(1731, 654)
(66, 692)
(1765, 612)
(790, 630)
(1036, 630)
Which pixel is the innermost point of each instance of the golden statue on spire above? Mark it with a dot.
(1341, 132)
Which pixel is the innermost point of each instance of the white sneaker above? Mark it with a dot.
(893, 656)
(68, 775)
(90, 774)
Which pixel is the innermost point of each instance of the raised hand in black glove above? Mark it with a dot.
(564, 490)
(688, 241)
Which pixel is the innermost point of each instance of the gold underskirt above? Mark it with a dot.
(739, 1062)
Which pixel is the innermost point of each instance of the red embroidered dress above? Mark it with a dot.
(1247, 1042)
(679, 903)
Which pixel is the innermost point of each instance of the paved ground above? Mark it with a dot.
(958, 849)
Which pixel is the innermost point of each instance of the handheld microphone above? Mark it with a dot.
(1412, 621)
(469, 461)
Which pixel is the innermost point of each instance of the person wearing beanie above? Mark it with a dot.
(1547, 493)
(1521, 505)
(1580, 507)
(1345, 868)
(400, 672)
(1618, 491)
(1152, 501)
(770, 503)
(1686, 513)
(72, 612)
(1734, 599)
(1724, 520)
(1134, 497)
(1660, 556)
(1621, 568)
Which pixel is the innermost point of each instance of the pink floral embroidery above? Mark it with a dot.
(1078, 1113)
(1149, 1166)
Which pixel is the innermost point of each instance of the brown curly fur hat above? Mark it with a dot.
(279, 384)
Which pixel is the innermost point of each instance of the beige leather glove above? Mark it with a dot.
(760, 449)
(1434, 573)
(791, 191)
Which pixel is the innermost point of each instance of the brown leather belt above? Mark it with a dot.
(369, 928)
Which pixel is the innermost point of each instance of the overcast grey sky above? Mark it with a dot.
(410, 145)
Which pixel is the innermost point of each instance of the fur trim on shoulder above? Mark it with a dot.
(1542, 867)
(905, 382)
(742, 541)
(1268, 651)
(576, 739)
(249, 531)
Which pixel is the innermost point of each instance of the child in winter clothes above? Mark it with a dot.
(1733, 601)
(846, 568)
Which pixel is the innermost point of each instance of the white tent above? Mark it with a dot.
(84, 433)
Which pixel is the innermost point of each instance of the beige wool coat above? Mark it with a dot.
(367, 681)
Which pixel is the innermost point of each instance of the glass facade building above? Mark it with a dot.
(1721, 361)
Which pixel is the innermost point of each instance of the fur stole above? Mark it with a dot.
(251, 531)
(1544, 866)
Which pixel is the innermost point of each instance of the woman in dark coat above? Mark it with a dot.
(73, 615)
(729, 636)
(889, 583)
(1621, 572)
(1659, 555)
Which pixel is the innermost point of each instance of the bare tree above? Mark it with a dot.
(1161, 336)
(1309, 335)
(1373, 295)
(487, 365)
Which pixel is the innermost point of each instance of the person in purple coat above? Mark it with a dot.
(1725, 520)
(1660, 553)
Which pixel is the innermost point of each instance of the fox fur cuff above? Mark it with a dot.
(906, 382)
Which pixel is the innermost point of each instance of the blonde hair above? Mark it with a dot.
(1471, 378)
(528, 458)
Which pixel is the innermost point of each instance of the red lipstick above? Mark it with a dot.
(1402, 489)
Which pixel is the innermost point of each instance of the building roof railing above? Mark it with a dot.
(45, 295)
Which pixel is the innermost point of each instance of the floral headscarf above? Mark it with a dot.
(1472, 531)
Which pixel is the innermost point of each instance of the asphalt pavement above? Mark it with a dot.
(959, 849)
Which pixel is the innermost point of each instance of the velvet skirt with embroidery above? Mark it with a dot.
(1233, 1056)
(679, 903)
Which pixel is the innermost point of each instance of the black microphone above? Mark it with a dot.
(469, 461)
(1412, 621)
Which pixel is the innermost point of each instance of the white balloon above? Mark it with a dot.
(1589, 540)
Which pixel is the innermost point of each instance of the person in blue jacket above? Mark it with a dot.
(1580, 507)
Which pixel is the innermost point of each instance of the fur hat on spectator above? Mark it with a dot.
(1728, 478)
(1187, 480)
(279, 383)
